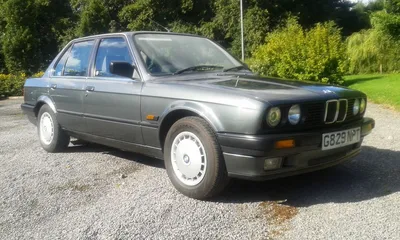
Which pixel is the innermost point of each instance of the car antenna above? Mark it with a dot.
(168, 30)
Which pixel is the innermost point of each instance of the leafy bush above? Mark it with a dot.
(13, 84)
(292, 52)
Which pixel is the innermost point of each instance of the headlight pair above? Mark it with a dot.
(359, 106)
(274, 115)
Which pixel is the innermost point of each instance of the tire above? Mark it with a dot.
(51, 136)
(200, 172)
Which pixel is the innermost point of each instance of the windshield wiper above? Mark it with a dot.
(198, 68)
(236, 68)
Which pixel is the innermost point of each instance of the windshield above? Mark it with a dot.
(175, 54)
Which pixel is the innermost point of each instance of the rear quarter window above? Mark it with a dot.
(58, 69)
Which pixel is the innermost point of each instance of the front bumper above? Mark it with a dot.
(245, 154)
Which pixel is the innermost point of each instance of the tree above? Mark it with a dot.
(153, 14)
(33, 31)
(392, 6)
(226, 25)
(377, 49)
(94, 19)
(372, 51)
(388, 20)
(98, 16)
(30, 34)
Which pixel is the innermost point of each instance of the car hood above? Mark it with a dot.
(273, 90)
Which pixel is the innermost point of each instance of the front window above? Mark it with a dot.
(172, 54)
(110, 50)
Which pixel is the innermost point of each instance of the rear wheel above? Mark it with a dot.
(51, 136)
(194, 160)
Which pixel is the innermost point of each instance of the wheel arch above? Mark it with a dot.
(42, 100)
(182, 110)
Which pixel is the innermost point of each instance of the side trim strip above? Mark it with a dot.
(110, 119)
(70, 113)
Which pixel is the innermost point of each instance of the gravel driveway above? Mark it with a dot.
(95, 192)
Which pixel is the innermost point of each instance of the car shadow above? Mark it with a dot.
(348, 83)
(373, 173)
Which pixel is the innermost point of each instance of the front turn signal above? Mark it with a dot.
(285, 144)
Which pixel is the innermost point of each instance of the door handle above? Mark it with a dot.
(90, 88)
(53, 86)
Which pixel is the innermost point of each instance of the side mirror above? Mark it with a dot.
(123, 69)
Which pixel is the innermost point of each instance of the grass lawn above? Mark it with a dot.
(380, 88)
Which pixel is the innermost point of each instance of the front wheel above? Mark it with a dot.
(194, 160)
(51, 136)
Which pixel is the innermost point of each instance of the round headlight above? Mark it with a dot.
(363, 105)
(274, 117)
(294, 114)
(356, 107)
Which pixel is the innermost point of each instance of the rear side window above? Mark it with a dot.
(78, 59)
(111, 50)
(58, 70)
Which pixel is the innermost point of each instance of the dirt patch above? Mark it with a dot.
(124, 171)
(278, 216)
(72, 186)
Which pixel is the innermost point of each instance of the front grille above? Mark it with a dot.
(350, 115)
(343, 107)
(314, 113)
(336, 111)
(331, 111)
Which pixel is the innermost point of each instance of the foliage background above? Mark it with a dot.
(317, 54)
(334, 36)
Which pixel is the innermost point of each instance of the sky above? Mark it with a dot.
(364, 1)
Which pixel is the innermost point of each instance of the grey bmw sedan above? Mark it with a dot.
(184, 99)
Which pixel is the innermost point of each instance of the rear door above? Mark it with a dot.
(112, 103)
(67, 84)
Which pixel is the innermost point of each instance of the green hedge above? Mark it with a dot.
(317, 55)
(13, 84)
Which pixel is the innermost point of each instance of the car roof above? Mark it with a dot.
(131, 34)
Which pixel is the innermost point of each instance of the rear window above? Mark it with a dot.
(78, 59)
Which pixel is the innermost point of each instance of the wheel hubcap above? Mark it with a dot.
(46, 128)
(189, 159)
(186, 159)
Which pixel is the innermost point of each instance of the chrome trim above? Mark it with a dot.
(345, 113)
(238, 155)
(326, 110)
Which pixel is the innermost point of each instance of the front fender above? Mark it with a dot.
(200, 109)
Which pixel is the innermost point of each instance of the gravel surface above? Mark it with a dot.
(95, 192)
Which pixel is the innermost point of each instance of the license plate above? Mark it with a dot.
(341, 138)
